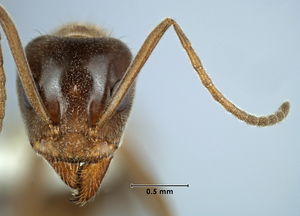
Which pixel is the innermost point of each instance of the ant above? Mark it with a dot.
(76, 89)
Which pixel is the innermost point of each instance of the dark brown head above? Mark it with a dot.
(76, 74)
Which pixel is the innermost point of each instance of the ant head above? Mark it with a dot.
(76, 78)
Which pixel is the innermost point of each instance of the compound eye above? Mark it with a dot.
(97, 105)
(114, 88)
(125, 102)
(26, 101)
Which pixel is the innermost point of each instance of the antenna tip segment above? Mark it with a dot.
(285, 108)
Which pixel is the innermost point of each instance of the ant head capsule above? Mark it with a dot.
(76, 78)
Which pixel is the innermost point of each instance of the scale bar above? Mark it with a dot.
(158, 185)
